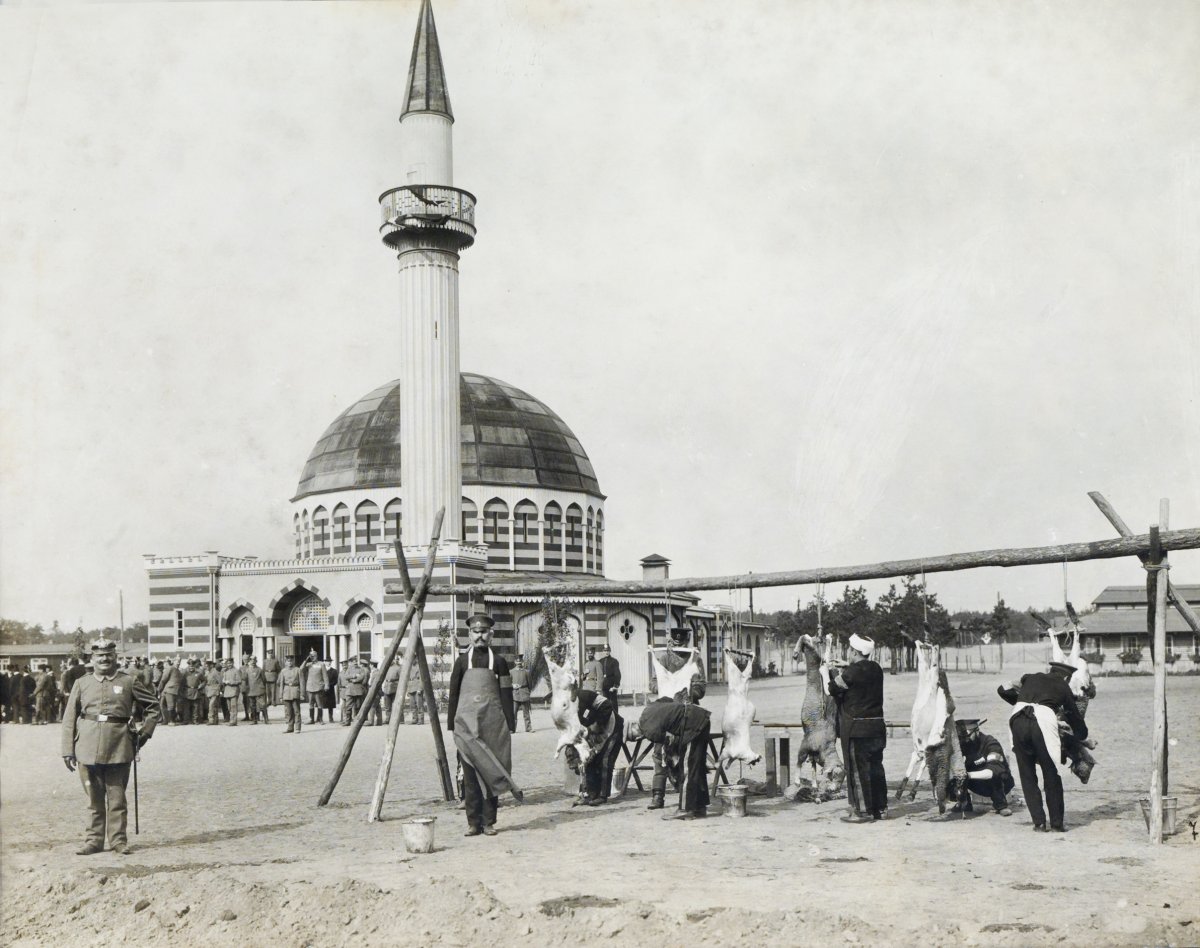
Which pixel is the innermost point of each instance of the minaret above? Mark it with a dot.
(428, 222)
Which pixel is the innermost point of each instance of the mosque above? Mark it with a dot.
(523, 503)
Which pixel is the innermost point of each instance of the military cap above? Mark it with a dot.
(104, 645)
(1062, 667)
(480, 618)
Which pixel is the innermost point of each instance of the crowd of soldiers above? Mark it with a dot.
(216, 691)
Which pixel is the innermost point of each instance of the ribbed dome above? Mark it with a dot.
(508, 438)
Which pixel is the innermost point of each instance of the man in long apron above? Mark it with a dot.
(482, 718)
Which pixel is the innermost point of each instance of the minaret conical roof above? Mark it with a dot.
(427, 90)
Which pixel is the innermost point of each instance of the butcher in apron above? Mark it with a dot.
(482, 717)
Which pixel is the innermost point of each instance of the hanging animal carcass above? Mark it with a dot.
(739, 711)
(818, 715)
(934, 734)
(564, 712)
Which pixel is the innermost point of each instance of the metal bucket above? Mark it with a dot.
(618, 784)
(733, 796)
(418, 834)
(1170, 813)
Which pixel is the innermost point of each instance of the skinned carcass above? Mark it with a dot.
(564, 712)
(934, 735)
(818, 715)
(739, 711)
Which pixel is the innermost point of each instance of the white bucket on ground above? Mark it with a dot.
(418, 834)
(733, 796)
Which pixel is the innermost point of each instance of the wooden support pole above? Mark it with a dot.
(389, 739)
(1023, 556)
(435, 721)
(1181, 604)
(414, 606)
(1158, 769)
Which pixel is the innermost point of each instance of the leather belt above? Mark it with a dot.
(109, 718)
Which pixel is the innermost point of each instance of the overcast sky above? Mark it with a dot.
(814, 283)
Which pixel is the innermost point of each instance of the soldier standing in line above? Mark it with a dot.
(45, 696)
(212, 692)
(193, 684)
(168, 692)
(271, 667)
(98, 737)
(520, 686)
(391, 682)
(416, 694)
(255, 684)
(291, 687)
(231, 690)
(354, 686)
(316, 683)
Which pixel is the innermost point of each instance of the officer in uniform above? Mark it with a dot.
(354, 687)
(99, 738)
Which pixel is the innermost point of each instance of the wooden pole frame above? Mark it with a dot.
(1158, 762)
(419, 596)
(1179, 602)
(1022, 556)
(397, 718)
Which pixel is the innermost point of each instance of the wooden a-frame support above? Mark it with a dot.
(416, 603)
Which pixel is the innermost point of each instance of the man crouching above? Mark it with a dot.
(987, 769)
(99, 734)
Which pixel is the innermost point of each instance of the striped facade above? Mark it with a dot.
(183, 593)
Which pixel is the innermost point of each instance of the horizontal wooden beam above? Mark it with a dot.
(1024, 556)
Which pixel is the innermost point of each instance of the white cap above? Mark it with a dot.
(861, 644)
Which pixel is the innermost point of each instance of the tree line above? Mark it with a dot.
(902, 615)
(14, 632)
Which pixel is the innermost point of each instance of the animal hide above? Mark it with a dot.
(934, 735)
(739, 712)
(671, 683)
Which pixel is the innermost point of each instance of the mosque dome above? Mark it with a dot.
(508, 438)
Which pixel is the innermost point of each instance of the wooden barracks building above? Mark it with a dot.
(523, 503)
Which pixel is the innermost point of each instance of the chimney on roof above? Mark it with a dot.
(655, 568)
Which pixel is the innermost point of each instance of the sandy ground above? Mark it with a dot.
(234, 850)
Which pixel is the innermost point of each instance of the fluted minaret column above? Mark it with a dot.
(428, 222)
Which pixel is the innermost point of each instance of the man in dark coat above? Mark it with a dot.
(610, 674)
(605, 733)
(858, 690)
(987, 769)
(1039, 700)
(682, 730)
(481, 716)
(98, 737)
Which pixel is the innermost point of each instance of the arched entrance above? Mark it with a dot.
(308, 626)
(629, 639)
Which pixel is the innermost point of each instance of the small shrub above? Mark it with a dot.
(1130, 656)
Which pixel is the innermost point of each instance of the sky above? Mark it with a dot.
(815, 284)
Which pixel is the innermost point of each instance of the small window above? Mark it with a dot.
(179, 628)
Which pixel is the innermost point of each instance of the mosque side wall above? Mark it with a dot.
(180, 593)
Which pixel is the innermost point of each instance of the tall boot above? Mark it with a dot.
(658, 799)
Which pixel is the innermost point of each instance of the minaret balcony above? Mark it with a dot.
(427, 211)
